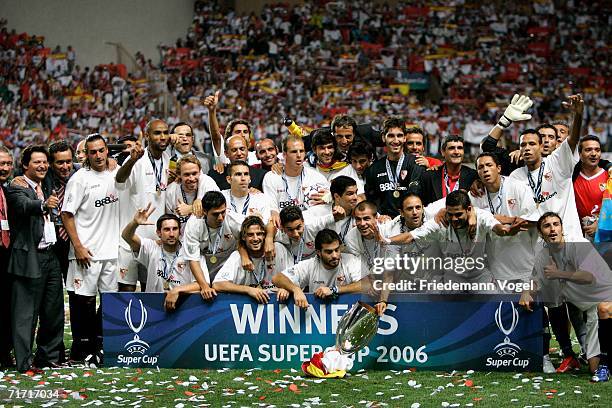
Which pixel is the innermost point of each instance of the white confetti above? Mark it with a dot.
(398, 397)
(415, 405)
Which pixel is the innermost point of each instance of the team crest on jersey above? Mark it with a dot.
(403, 174)
(341, 278)
(602, 186)
(227, 236)
(310, 245)
(180, 266)
(548, 176)
(512, 202)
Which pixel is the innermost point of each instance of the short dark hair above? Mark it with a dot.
(167, 217)
(26, 154)
(230, 127)
(237, 163)
(393, 122)
(322, 137)
(488, 154)
(326, 236)
(59, 146)
(93, 138)
(452, 138)
(291, 213)
(361, 147)
(366, 205)
(547, 126)
(213, 199)
(586, 139)
(531, 132)
(415, 129)
(546, 215)
(340, 184)
(249, 222)
(181, 124)
(458, 197)
(340, 121)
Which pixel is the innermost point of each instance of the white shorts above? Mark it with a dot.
(101, 276)
(127, 267)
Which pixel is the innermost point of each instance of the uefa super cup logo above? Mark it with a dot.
(506, 348)
(136, 346)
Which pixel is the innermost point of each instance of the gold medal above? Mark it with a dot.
(213, 259)
(166, 285)
(396, 194)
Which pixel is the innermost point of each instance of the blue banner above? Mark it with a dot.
(235, 332)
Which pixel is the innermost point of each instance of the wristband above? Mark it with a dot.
(504, 122)
(334, 290)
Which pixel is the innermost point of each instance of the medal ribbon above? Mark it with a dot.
(158, 174)
(447, 181)
(495, 210)
(215, 246)
(297, 258)
(299, 188)
(368, 255)
(394, 178)
(262, 273)
(536, 188)
(245, 207)
(166, 272)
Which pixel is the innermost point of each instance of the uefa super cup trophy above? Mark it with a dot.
(356, 328)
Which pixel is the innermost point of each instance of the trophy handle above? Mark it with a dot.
(367, 307)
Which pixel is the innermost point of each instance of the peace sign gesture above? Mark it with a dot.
(142, 215)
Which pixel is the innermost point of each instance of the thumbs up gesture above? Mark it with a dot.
(52, 201)
(182, 209)
(211, 101)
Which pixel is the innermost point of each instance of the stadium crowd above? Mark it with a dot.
(257, 215)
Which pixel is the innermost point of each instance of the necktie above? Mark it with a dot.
(60, 196)
(5, 236)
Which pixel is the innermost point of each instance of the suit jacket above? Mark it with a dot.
(432, 183)
(27, 227)
(257, 176)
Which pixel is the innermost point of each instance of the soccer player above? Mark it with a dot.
(326, 158)
(452, 176)
(215, 236)
(168, 270)
(511, 258)
(344, 194)
(233, 278)
(90, 215)
(360, 156)
(240, 199)
(267, 153)
(143, 178)
(343, 129)
(298, 184)
(361, 240)
(328, 275)
(183, 145)
(395, 174)
(183, 197)
(548, 177)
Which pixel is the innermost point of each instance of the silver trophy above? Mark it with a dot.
(356, 328)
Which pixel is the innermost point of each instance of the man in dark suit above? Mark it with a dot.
(236, 149)
(37, 280)
(6, 343)
(451, 176)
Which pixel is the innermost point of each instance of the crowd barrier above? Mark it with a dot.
(433, 333)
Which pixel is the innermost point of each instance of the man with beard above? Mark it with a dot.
(6, 344)
(267, 153)
(168, 270)
(90, 215)
(183, 145)
(547, 177)
(415, 144)
(571, 272)
(589, 184)
(328, 275)
(452, 176)
(36, 279)
(257, 283)
(184, 196)
(395, 174)
(143, 178)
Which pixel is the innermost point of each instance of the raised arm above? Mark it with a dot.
(129, 232)
(216, 137)
(575, 104)
(126, 169)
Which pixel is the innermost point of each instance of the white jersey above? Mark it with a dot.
(456, 244)
(285, 190)
(165, 270)
(251, 204)
(348, 171)
(144, 188)
(367, 249)
(174, 192)
(556, 188)
(343, 226)
(416, 249)
(93, 199)
(512, 257)
(311, 273)
(262, 274)
(305, 248)
(216, 244)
